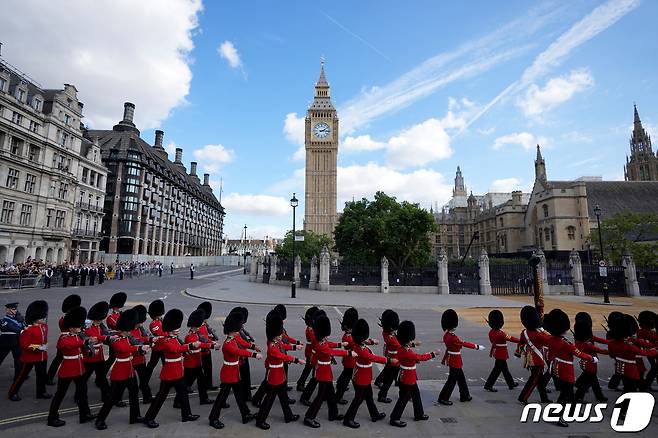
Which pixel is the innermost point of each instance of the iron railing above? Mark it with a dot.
(647, 279)
(615, 280)
(423, 276)
(355, 275)
(464, 279)
(515, 279)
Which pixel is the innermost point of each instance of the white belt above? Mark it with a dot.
(500, 345)
(194, 351)
(8, 333)
(363, 366)
(393, 352)
(276, 366)
(72, 357)
(455, 352)
(324, 363)
(625, 360)
(313, 351)
(178, 359)
(124, 359)
(570, 362)
(237, 362)
(408, 368)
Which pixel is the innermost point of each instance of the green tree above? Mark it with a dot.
(368, 230)
(312, 245)
(635, 233)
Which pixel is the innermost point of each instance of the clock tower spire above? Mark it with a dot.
(321, 144)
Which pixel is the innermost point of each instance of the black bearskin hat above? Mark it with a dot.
(196, 318)
(318, 314)
(647, 319)
(619, 328)
(632, 323)
(530, 318)
(156, 309)
(127, 320)
(557, 322)
(98, 311)
(273, 326)
(118, 300)
(496, 319)
(308, 316)
(390, 320)
(350, 317)
(449, 320)
(583, 316)
(360, 331)
(321, 327)
(239, 311)
(75, 317)
(141, 313)
(172, 320)
(245, 314)
(582, 330)
(282, 311)
(406, 332)
(232, 323)
(614, 314)
(36, 310)
(70, 302)
(206, 306)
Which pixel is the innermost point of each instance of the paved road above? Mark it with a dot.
(490, 414)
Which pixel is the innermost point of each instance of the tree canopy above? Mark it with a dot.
(635, 233)
(368, 230)
(312, 245)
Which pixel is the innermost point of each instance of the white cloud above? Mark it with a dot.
(505, 185)
(228, 52)
(256, 205)
(421, 144)
(212, 156)
(171, 149)
(294, 129)
(524, 139)
(487, 131)
(361, 143)
(125, 51)
(556, 91)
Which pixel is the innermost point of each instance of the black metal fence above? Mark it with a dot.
(511, 279)
(284, 270)
(559, 273)
(464, 279)
(647, 279)
(305, 275)
(424, 276)
(355, 275)
(615, 280)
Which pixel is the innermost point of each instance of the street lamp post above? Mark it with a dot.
(244, 250)
(293, 203)
(597, 212)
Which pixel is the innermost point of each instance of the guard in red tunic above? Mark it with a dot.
(408, 387)
(246, 341)
(276, 376)
(140, 336)
(123, 373)
(647, 332)
(172, 374)
(531, 343)
(117, 301)
(453, 358)
(156, 310)
(34, 345)
(363, 375)
(625, 352)
(324, 351)
(615, 380)
(69, 303)
(308, 320)
(72, 368)
(229, 376)
(94, 358)
(390, 322)
(305, 398)
(286, 339)
(350, 317)
(207, 334)
(584, 339)
(499, 339)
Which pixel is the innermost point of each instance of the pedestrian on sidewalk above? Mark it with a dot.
(530, 349)
(48, 274)
(499, 339)
(171, 268)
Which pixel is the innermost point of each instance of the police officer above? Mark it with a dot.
(192, 269)
(47, 277)
(11, 326)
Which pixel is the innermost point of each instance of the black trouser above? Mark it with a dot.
(80, 397)
(91, 280)
(192, 374)
(224, 390)
(153, 361)
(615, 380)
(388, 375)
(142, 374)
(206, 364)
(118, 386)
(327, 394)
(361, 393)
(47, 283)
(273, 391)
(74, 280)
(191, 275)
(500, 366)
(343, 382)
(245, 379)
(109, 361)
(651, 374)
(410, 392)
(310, 388)
(258, 396)
(100, 379)
(305, 373)
(630, 385)
(65, 280)
(536, 380)
(455, 376)
(586, 381)
(566, 391)
(165, 387)
(26, 367)
(16, 353)
(54, 365)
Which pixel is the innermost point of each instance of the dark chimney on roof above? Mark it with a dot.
(159, 135)
(128, 112)
(206, 179)
(193, 168)
(179, 156)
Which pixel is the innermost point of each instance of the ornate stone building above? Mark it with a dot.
(643, 163)
(154, 206)
(321, 143)
(46, 166)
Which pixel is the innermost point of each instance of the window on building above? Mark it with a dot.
(26, 214)
(92, 177)
(99, 180)
(49, 217)
(12, 178)
(35, 127)
(571, 232)
(67, 120)
(64, 139)
(20, 94)
(16, 147)
(63, 191)
(17, 118)
(7, 215)
(545, 208)
(547, 234)
(34, 153)
(3, 85)
(30, 182)
(501, 221)
(37, 103)
(60, 218)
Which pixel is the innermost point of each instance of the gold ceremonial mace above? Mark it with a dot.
(538, 288)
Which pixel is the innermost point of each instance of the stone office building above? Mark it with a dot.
(153, 206)
(42, 173)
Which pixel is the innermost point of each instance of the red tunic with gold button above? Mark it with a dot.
(289, 339)
(230, 372)
(71, 347)
(276, 357)
(364, 360)
(193, 356)
(499, 339)
(310, 339)
(139, 358)
(29, 339)
(349, 361)
(125, 354)
(590, 348)
(173, 350)
(94, 331)
(562, 354)
(203, 331)
(533, 341)
(625, 354)
(454, 345)
(111, 320)
(408, 360)
(324, 352)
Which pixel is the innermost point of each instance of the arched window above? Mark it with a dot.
(545, 208)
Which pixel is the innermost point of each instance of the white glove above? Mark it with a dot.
(481, 347)
(595, 359)
(43, 347)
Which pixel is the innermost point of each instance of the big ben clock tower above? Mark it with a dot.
(321, 143)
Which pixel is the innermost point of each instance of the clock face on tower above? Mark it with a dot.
(321, 130)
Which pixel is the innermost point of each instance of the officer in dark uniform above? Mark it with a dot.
(75, 272)
(47, 276)
(66, 272)
(192, 269)
(83, 275)
(101, 273)
(92, 275)
(11, 326)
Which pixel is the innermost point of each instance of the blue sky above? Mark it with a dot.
(420, 86)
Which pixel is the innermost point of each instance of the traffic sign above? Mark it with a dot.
(602, 263)
(299, 238)
(603, 271)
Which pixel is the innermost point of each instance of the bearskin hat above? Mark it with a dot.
(239, 311)
(172, 320)
(75, 317)
(70, 302)
(318, 314)
(118, 300)
(390, 320)
(282, 311)
(273, 326)
(245, 314)
(141, 313)
(196, 318)
(206, 306)
(583, 316)
(308, 316)
(350, 317)
(619, 328)
(127, 320)
(632, 323)
(530, 318)
(321, 327)
(36, 310)
(232, 323)
(496, 319)
(614, 314)
(98, 311)
(156, 309)
(557, 322)
(360, 331)
(582, 330)
(406, 332)
(647, 319)
(449, 320)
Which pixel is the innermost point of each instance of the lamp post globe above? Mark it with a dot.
(294, 202)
